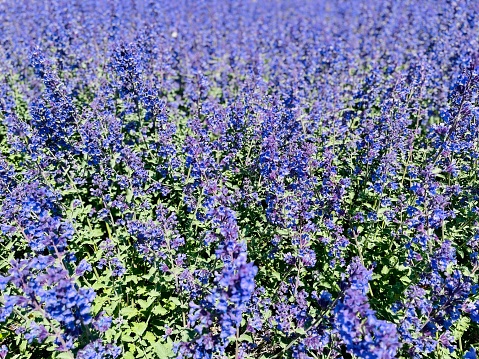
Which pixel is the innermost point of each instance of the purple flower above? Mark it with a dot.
(38, 332)
(83, 267)
(3, 282)
(3, 351)
(102, 323)
(364, 335)
(471, 354)
(97, 350)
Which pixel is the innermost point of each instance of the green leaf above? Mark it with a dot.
(245, 338)
(460, 327)
(145, 304)
(129, 312)
(65, 355)
(129, 195)
(139, 328)
(149, 336)
(159, 310)
(276, 275)
(162, 350)
(131, 278)
(125, 337)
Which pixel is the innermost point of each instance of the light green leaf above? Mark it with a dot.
(139, 328)
(129, 312)
(163, 350)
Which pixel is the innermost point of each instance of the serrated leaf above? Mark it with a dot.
(162, 350)
(129, 312)
(139, 328)
(145, 304)
(159, 310)
(126, 337)
(149, 336)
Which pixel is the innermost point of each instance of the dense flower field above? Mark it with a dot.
(239, 179)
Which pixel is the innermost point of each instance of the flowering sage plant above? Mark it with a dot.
(223, 179)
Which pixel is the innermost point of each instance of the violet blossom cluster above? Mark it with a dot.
(254, 179)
